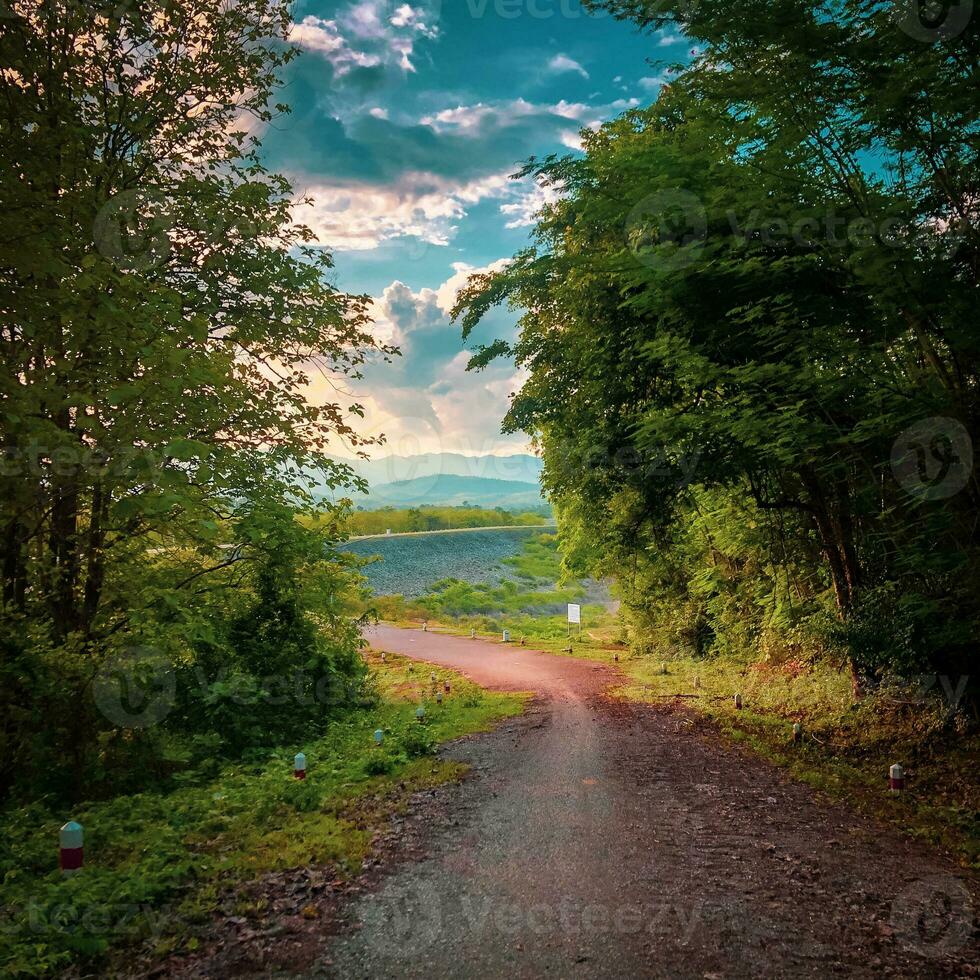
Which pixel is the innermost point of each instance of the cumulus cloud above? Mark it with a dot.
(356, 216)
(367, 34)
(426, 401)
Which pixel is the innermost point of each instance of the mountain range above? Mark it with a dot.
(450, 479)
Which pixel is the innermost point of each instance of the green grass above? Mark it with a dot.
(157, 864)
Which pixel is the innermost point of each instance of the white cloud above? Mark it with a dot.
(366, 34)
(358, 216)
(379, 113)
(562, 63)
(446, 294)
(324, 37)
(473, 120)
(464, 118)
(426, 401)
(523, 211)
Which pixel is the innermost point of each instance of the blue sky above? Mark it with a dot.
(407, 120)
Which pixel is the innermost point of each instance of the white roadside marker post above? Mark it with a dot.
(896, 780)
(506, 636)
(738, 702)
(299, 766)
(797, 733)
(70, 840)
(438, 697)
(420, 713)
(472, 634)
(379, 736)
(445, 687)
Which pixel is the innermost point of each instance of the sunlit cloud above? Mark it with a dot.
(562, 63)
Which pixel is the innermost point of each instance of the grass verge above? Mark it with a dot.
(157, 864)
(847, 746)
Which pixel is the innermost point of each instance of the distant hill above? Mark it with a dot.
(451, 479)
(521, 467)
(453, 491)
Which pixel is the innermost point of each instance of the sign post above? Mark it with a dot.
(574, 616)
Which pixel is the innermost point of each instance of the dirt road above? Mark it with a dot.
(601, 839)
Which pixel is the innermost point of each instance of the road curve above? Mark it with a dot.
(603, 839)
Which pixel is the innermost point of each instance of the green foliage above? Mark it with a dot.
(158, 339)
(429, 518)
(747, 297)
(157, 864)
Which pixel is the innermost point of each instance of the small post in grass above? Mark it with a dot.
(797, 733)
(738, 702)
(697, 683)
(384, 656)
(445, 687)
(663, 669)
(299, 766)
(438, 697)
(506, 636)
(420, 713)
(70, 839)
(896, 780)
(472, 634)
(379, 736)
(425, 626)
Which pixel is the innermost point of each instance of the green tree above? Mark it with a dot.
(163, 315)
(756, 286)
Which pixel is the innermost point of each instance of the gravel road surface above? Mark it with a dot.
(598, 838)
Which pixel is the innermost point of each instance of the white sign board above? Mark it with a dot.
(574, 613)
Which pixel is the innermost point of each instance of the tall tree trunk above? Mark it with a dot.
(835, 528)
